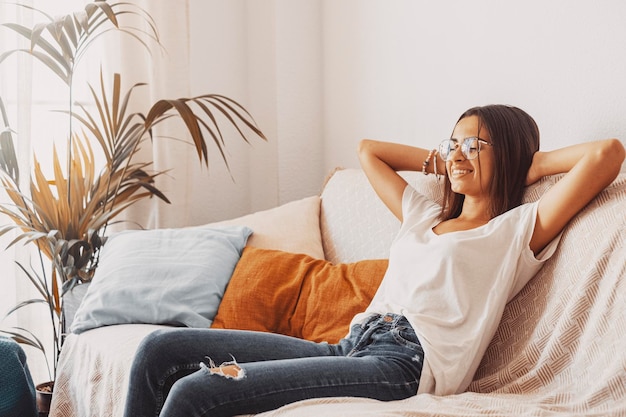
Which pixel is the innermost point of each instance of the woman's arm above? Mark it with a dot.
(590, 167)
(382, 160)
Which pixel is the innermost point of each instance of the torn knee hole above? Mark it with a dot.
(230, 370)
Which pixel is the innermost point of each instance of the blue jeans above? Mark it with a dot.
(381, 359)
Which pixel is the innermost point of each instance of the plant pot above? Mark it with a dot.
(44, 397)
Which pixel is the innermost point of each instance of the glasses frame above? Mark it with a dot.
(465, 143)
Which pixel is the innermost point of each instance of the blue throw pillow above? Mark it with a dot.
(162, 276)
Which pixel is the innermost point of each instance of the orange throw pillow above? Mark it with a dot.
(297, 295)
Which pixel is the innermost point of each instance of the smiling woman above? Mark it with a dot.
(483, 245)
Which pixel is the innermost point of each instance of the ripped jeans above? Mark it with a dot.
(173, 374)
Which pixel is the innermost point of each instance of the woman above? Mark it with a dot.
(451, 272)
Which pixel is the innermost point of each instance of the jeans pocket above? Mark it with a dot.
(405, 335)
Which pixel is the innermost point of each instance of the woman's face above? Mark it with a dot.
(471, 177)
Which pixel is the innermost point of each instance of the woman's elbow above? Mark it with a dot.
(620, 150)
(364, 145)
(614, 150)
(365, 148)
(610, 156)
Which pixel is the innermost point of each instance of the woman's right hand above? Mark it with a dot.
(381, 161)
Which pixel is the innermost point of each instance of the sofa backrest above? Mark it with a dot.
(356, 225)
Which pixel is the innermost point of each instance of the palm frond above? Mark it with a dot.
(46, 54)
(61, 41)
(24, 336)
(28, 338)
(27, 303)
(8, 157)
(234, 113)
(37, 280)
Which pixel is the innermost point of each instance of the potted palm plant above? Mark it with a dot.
(66, 215)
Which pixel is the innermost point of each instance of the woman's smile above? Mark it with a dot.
(459, 172)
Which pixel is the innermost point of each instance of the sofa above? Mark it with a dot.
(560, 348)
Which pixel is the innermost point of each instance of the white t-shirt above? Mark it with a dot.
(453, 287)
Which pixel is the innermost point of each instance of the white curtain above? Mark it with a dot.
(165, 69)
(198, 194)
(30, 92)
(266, 55)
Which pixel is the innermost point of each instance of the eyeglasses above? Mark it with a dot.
(470, 147)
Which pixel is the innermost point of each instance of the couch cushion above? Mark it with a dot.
(161, 276)
(297, 295)
(292, 227)
(354, 222)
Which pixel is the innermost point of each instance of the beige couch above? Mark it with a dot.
(559, 350)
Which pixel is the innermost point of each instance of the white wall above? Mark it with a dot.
(405, 70)
(320, 75)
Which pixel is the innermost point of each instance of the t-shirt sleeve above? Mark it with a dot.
(529, 264)
(417, 209)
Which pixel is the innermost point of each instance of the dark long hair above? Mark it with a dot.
(515, 138)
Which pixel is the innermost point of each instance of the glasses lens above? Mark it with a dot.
(470, 148)
(445, 148)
